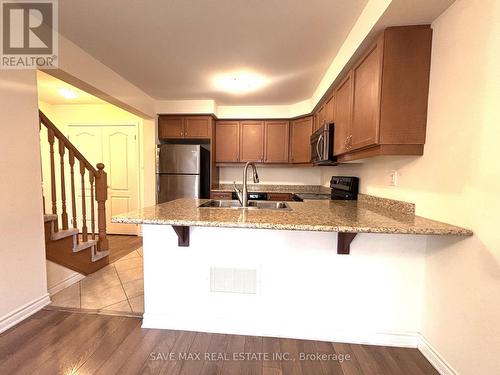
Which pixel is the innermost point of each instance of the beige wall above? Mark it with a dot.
(457, 181)
(22, 252)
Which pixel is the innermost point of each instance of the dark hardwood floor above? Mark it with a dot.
(57, 342)
(121, 245)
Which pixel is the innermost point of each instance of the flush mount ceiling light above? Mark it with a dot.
(67, 93)
(239, 82)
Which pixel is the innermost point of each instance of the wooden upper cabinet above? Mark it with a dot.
(170, 127)
(197, 127)
(300, 138)
(252, 141)
(381, 105)
(174, 127)
(329, 110)
(321, 117)
(227, 141)
(366, 98)
(276, 140)
(405, 84)
(315, 119)
(342, 115)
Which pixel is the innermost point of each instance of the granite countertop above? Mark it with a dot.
(293, 189)
(364, 216)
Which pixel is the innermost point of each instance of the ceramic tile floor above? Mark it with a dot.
(118, 287)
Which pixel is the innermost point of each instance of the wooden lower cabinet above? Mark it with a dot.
(281, 197)
(252, 141)
(300, 138)
(276, 141)
(227, 140)
(221, 195)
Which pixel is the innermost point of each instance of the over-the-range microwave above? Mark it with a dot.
(322, 146)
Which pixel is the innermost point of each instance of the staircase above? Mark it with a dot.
(77, 247)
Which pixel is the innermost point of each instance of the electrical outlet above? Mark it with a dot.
(393, 178)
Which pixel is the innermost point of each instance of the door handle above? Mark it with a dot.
(317, 146)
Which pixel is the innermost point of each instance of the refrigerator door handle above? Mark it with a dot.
(158, 158)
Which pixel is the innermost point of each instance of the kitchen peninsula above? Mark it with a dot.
(278, 272)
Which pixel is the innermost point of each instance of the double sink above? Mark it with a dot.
(252, 205)
(243, 202)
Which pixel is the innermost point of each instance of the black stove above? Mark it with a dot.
(344, 188)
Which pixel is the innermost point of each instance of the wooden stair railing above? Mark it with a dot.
(98, 187)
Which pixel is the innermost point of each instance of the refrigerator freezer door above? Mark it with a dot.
(175, 158)
(175, 186)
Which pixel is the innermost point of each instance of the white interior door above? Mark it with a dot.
(120, 159)
(116, 147)
(88, 140)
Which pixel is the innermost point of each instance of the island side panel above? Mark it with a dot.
(302, 287)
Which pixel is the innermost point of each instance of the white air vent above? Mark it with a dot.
(233, 280)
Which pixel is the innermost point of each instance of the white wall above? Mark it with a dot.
(23, 287)
(457, 181)
(304, 289)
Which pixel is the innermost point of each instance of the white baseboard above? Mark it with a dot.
(399, 339)
(436, 360)
(23, 312)
(70, 280)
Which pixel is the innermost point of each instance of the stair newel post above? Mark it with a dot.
(71, 158)
(92, 207)
(51, 139)
(101, 196)
(85, 235)
(64, 214)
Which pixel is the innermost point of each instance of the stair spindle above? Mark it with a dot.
(85, 235)
(71, 158)
(92, 209)
(64, 214)
(51, 138)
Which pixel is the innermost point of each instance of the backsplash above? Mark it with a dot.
(275, 175)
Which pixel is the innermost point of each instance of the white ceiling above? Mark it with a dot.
(171, 49)
(48, 91)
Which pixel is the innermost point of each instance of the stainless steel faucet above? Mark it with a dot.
(243, 195)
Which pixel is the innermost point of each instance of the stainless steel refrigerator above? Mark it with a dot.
(182, 171)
